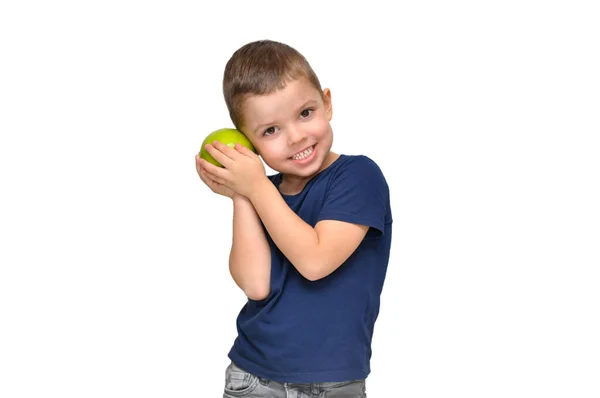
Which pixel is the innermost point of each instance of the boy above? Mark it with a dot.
(310, 244)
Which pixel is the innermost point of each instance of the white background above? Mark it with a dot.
(484, 116)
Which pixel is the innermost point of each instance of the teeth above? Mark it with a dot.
(303, 154)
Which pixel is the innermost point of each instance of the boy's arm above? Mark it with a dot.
(250, 256)
(315, 252)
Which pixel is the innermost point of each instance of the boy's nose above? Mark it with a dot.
(295, 135)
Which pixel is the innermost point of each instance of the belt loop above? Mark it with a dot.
(314, 390)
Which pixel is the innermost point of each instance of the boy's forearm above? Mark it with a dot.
(250, 256)
(297, 240)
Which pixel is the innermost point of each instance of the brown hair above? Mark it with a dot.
(259, 68)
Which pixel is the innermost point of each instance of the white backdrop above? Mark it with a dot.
(484, 117)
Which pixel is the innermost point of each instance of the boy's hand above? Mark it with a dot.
(242, 171)
(213, 185)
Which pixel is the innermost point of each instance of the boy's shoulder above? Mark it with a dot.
(357, 161)
(360, 168)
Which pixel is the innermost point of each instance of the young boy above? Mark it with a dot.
(310, 244)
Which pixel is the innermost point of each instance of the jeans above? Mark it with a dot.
(239, 383)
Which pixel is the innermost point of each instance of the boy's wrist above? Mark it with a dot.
(236, 197)
(260, 188)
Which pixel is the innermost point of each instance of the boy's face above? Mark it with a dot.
(290, 128)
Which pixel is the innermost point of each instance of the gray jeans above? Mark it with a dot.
(239, 383)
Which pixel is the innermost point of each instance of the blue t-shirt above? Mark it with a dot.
(320, 331)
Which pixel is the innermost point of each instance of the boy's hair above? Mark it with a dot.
(259, 68)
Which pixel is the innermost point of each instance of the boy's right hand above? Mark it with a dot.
(214, 186)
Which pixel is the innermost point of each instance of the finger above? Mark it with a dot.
(244, 150)
(226, 149)
(207, 166)
(206, 178)
(215, 181)
(198, 165)
(222, 153)
(219, 156)
(215, 173)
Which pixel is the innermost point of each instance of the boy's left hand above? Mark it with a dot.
(242, 169)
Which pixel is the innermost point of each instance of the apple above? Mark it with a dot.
(225, 136)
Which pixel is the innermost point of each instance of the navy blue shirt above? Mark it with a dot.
(320, 331)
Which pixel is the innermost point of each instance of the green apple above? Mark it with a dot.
(225, 136)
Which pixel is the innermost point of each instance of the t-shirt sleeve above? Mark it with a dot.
(359, 194)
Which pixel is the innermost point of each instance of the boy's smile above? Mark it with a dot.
(304, 156)
(290, 130)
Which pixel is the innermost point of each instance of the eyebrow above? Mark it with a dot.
(304, 105)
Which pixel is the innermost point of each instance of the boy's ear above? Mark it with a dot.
(327, 103)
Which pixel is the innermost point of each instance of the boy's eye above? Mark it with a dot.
(306, 113)
(269, 131)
